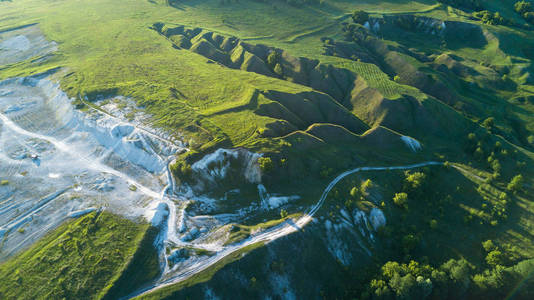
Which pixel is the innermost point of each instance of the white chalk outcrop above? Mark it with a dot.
(23, 43)
(377, 218)
(412, 143)
(62, 162)
(215, 166)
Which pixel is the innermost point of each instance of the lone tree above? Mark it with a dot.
(266, 164)
(489, 123)
(360, 17)
(354, 192)
(515, 184)
(401, 200)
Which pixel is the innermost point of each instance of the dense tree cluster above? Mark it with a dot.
(418, 281)
(525, 9)
(490, 18)
(454, 279)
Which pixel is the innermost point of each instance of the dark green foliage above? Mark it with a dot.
(529, 17)
(360, 17)
(488, 245)
(266, 164)
(274, 58)
(525, 9)
(490, 18)
(418, 281)
(354, 192)
(409, 242)
(516, 184)
(353, 32)
(401, 200)
(142, 268)
(181, 170)
(522, 7)
(489, 122)
(494, 258)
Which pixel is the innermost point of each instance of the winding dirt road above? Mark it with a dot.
(270, 234)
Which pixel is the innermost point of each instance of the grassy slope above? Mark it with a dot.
(82, 257)
(108, 47)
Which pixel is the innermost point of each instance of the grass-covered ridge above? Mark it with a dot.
(322, 94)
(85, 257)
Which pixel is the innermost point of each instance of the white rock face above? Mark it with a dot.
(16, 43)
(122, 130)
(273, 201)
(79, 213)
(252, 168)
(161, 214)
(377, 218)
(262, 191)
(277, 201)
(359, 217)
(336, 245)
(412, 143)
(62, 162)
(376, 27)
(215, 166)
(22, 44)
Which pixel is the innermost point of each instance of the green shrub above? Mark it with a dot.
(433, 224)
(401, 200)
(273, 59)
(489, 122)
(266, 164)
(494, 258)
(360, 17)
(181, 170)
(522, 7)
(354, 192)
(515, 184)
(366, 185)
(414, 180)
(488, 245)
(278, 70)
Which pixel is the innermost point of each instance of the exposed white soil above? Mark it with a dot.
(412, 143)
(24, 43)
(271, 234)
(63, 163)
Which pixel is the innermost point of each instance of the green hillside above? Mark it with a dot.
(317, 90)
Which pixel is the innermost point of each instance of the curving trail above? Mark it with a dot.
(270, 234)
(166, 195)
